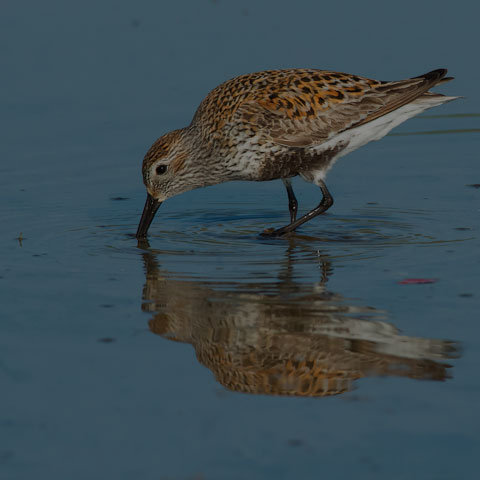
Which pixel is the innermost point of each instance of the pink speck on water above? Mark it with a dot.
(417, 281)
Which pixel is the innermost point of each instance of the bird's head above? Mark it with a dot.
(167, 171)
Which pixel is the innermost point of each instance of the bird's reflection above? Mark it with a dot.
(287, 339)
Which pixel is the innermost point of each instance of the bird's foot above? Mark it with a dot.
(272, 232)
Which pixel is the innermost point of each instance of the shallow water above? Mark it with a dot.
(209, 352)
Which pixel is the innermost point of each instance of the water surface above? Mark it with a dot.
(350, 348)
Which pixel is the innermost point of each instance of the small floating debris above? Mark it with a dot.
(106, 340)
(474, 185)
(417, 281)
(20, 239)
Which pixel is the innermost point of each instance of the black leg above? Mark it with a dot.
(292, 200)
(324, 205)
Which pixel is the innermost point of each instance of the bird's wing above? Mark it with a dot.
(308, 107)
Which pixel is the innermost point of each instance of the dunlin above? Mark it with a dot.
(279, 124)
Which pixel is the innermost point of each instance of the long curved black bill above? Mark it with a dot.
(149, 211)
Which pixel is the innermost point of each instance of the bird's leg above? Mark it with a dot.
(292, 200)
(324, 205)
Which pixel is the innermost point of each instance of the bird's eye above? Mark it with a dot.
(161, 169)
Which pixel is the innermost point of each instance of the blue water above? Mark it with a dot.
(182, 358)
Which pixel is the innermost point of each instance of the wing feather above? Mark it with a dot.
(311, 106)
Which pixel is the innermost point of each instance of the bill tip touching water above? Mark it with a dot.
(280, 124)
